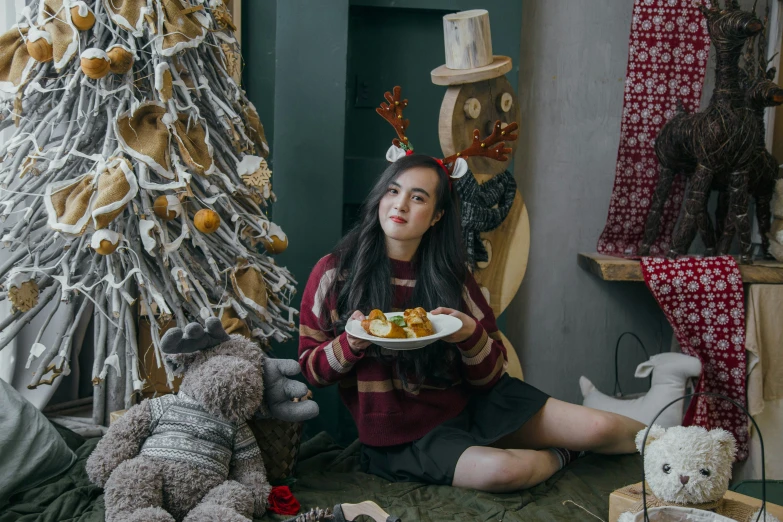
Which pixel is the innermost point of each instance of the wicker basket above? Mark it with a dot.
(279, 444)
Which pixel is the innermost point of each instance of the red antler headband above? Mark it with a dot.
(494, 146)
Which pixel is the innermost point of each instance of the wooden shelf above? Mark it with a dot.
(611, 268)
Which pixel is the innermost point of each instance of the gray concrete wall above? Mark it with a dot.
(564, 322)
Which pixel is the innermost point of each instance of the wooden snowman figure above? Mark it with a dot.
(478, 96)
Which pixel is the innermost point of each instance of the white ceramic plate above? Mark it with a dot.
(444, 325)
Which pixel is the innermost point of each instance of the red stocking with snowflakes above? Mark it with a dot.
(667, 57)
(704, 301)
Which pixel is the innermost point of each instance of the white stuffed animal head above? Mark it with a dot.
(687, 465)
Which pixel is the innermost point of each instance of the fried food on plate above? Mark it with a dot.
(378, 325)
(412, 324)
(417, 322)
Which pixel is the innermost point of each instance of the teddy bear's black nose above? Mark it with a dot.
(684, 479)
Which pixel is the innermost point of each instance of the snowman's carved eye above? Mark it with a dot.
(667, 469)
(705, 472)
(472, 108)
(505, 101)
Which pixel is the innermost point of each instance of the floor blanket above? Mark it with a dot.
(327, 474)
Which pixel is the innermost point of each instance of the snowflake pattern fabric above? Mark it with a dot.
(669, 47)
(704, 301)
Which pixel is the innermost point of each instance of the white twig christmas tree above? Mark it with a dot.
(135, 183)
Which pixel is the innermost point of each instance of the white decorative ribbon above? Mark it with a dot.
(394, 153)
(460, 168)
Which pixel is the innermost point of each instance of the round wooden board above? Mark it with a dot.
(455, 129)
(514, 367)
(510, 248)
(444, 76)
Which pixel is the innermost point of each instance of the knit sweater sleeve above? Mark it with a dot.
(483, 354)
(324, 358)
(245, 445)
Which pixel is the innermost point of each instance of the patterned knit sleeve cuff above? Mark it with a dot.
(473, 345)
(245, 445)
(349, 357)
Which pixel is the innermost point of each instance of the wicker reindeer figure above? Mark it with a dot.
(760, 94)
(714, 147)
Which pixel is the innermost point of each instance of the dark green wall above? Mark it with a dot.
(400, 45)
(303, 63)
(259, 23)
(388, 47)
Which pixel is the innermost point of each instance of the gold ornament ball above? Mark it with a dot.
(161, 209)
(206, 220)
(106, 247)
(40, 50)
(121, 59)
(275, 245)
(96, 65)
(82, 23)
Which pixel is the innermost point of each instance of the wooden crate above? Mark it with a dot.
(620, 502)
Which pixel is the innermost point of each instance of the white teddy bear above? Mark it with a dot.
(690, 466)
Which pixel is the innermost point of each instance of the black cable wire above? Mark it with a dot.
(616, 365)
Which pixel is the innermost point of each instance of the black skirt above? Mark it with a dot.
(487, 418)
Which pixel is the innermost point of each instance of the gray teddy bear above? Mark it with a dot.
(191, 456)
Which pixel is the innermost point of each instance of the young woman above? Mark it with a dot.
(445, 414)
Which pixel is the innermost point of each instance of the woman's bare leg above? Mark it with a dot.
(564, 425)
(498, 470)
(522, 460)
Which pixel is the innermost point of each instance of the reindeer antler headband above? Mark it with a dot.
(494, 146)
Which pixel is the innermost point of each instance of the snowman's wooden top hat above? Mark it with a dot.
(469, 57)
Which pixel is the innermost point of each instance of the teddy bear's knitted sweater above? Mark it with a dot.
(182, 430)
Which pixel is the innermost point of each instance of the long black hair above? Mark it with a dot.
(364, 269)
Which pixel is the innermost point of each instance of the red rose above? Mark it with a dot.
(282, 501)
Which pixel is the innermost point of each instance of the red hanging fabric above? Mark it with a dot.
(668, 50)
(704, 301)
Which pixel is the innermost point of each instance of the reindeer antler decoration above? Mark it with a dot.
(392, 112)
(494, 146)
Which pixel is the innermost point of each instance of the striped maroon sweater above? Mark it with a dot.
(386, 412)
